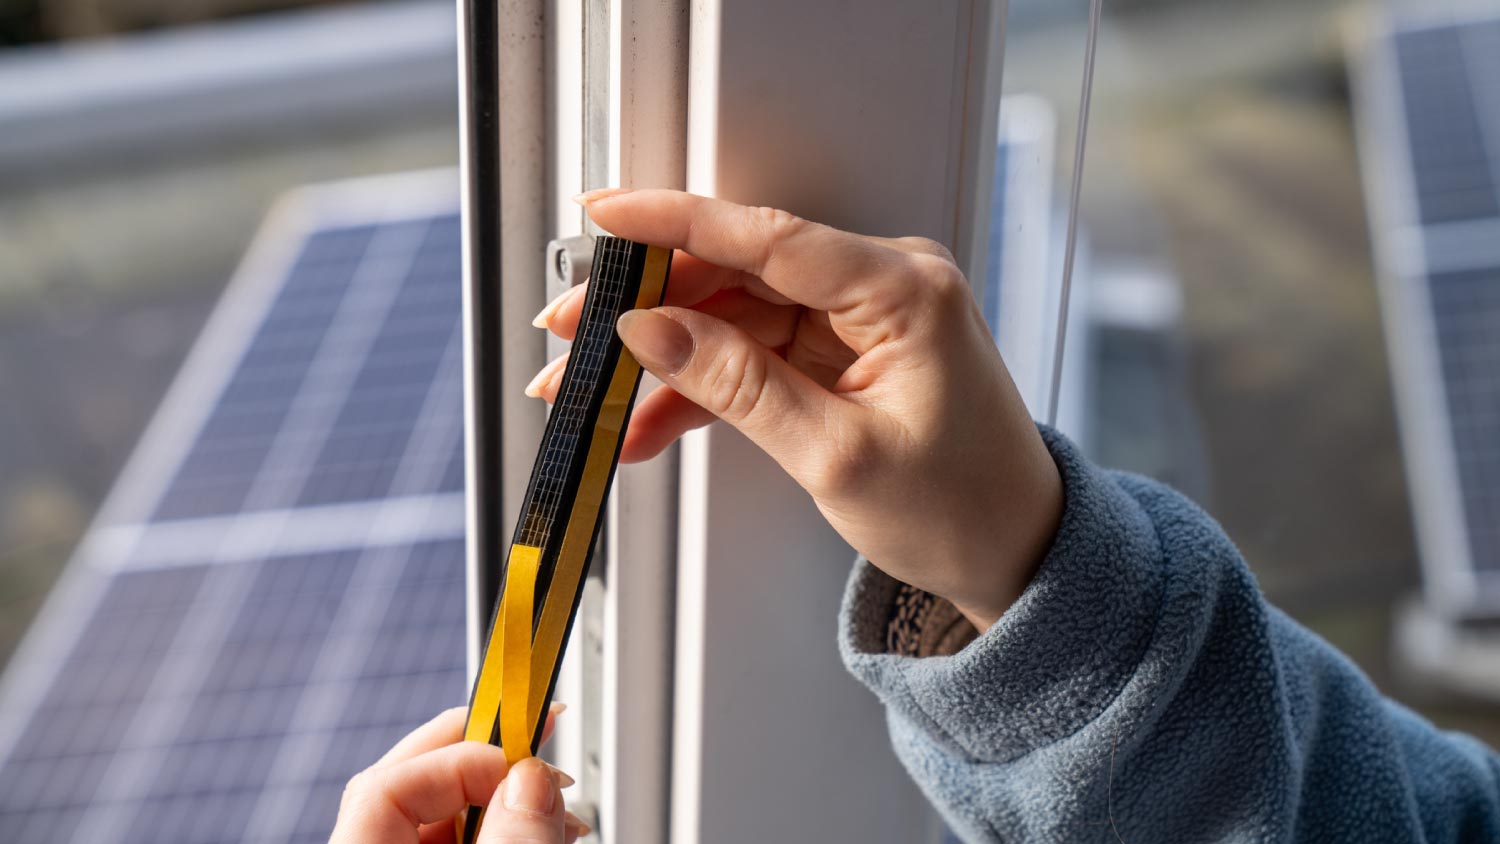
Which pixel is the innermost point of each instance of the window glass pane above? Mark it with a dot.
(1227, 327)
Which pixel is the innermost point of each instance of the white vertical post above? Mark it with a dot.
(878, 117)
(619, 94)
(525, 203)
(648, 148)
(516, 29)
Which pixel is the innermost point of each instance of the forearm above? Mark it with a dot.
(1142, 686)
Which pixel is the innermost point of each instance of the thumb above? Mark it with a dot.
(528, 806)
(724, 370)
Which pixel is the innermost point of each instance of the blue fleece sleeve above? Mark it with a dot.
(1141, 690)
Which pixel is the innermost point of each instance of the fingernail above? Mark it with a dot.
(563, 780)
(534, 389)
(545, 315)
(530, 787)
(576, 825)
(590, 196)
(558, 707)
(658, 342)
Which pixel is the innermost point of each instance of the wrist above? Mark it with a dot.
(1015, 546)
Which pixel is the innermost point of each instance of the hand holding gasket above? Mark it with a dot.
(862, 365)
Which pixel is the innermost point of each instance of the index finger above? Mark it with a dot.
(445, 729)
(391, 803)
(811, 264)
(448, 728)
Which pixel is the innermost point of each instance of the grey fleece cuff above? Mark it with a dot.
(1056, 659)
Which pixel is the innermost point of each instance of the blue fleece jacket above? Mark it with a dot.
(1142, 691)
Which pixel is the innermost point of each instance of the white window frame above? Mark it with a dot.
(717, 709)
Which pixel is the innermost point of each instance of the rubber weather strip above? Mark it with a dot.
(560, 517)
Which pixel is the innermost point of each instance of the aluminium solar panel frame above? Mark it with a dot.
(113, 533)
(1452, 585)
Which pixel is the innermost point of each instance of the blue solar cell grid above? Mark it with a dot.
(375, 419)
(1466, 312)
(233, 443)
(1455, 171)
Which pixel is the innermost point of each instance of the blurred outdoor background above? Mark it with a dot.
(142, 141)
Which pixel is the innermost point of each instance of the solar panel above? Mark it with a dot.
(274, 592)
(1429, 88)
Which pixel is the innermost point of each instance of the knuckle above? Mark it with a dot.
(928, 246)
(360, 787)
(943, 280)
(940, 273)
(736, 383)
(779, 226)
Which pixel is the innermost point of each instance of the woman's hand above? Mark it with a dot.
(413, 793)
(860, 364)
